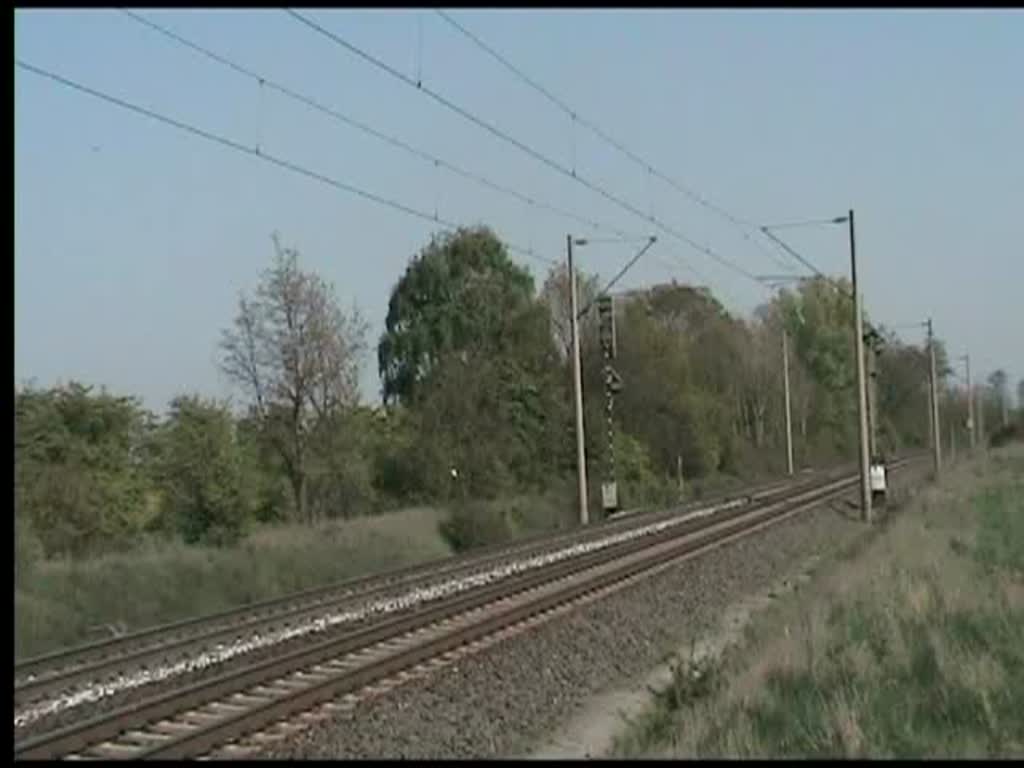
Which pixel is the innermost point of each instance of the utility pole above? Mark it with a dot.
(577, 390)
(931, 421)
(933, 388)
(785, 387)
(858, 332)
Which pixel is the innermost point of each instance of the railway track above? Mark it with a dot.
(96, 663)
(212, 714)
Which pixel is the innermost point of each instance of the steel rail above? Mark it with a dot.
(82, 735)
(57, 672)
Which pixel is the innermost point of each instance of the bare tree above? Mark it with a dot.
(760, 377)
(999, 382)
(295, 353)
(555, 293)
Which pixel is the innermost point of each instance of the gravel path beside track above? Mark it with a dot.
(505, 699)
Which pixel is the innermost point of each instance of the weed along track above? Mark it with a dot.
(227, 714)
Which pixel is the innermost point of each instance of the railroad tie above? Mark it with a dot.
(291, 684)
(313, 677)
(171, 728)
(227, 709)
(274, 691)
(113, 750)
(249, 700)
(144, 738)
(233, 751)
(200, 718)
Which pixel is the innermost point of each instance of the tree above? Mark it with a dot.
(760, 377)
(1020, 397)
(819, 320)
(81, 479)
(555, 294)
(664, 403)
(461, 293)
(903, 373)
(202, 476)
(295, 353)
(495, 419)
(999, 382)
(469, 357)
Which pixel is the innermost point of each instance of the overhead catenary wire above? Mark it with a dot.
(742, 225)
(393, 141)
(534, 153)
(620, 274)
(435, 162)
(792, 252)
(256, 153)
(835, 284)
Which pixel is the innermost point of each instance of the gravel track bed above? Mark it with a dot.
(109, 703)
(506, 698)
(123, 698)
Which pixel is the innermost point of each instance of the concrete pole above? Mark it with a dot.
(931, 422)
(933, 387)
(785, 387)
(577, 390)
(862, 406)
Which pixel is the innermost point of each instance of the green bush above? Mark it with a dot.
(1008, 434)
(28, 551)
(80, 466)
(476, 524)
(481, 523)
(202, 473)
(639, 484)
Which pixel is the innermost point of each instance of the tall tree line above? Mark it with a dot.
(474, 363)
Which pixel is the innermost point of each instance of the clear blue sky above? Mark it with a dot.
(133, 240)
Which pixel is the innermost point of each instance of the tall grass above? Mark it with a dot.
(913, 648)
(63, 603)
(66, 602)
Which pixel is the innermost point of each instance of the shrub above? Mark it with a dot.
(202, 473)
(481, 523)
(477, 523)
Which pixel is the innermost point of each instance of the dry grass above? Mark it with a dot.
(65, 603)
(912, 648)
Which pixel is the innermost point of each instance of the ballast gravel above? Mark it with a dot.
(99, 697)
(508, 697)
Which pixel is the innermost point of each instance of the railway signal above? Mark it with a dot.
(606, 325)
(612, 386)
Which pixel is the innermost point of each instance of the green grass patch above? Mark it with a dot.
(916, 649)
(1001, 528)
